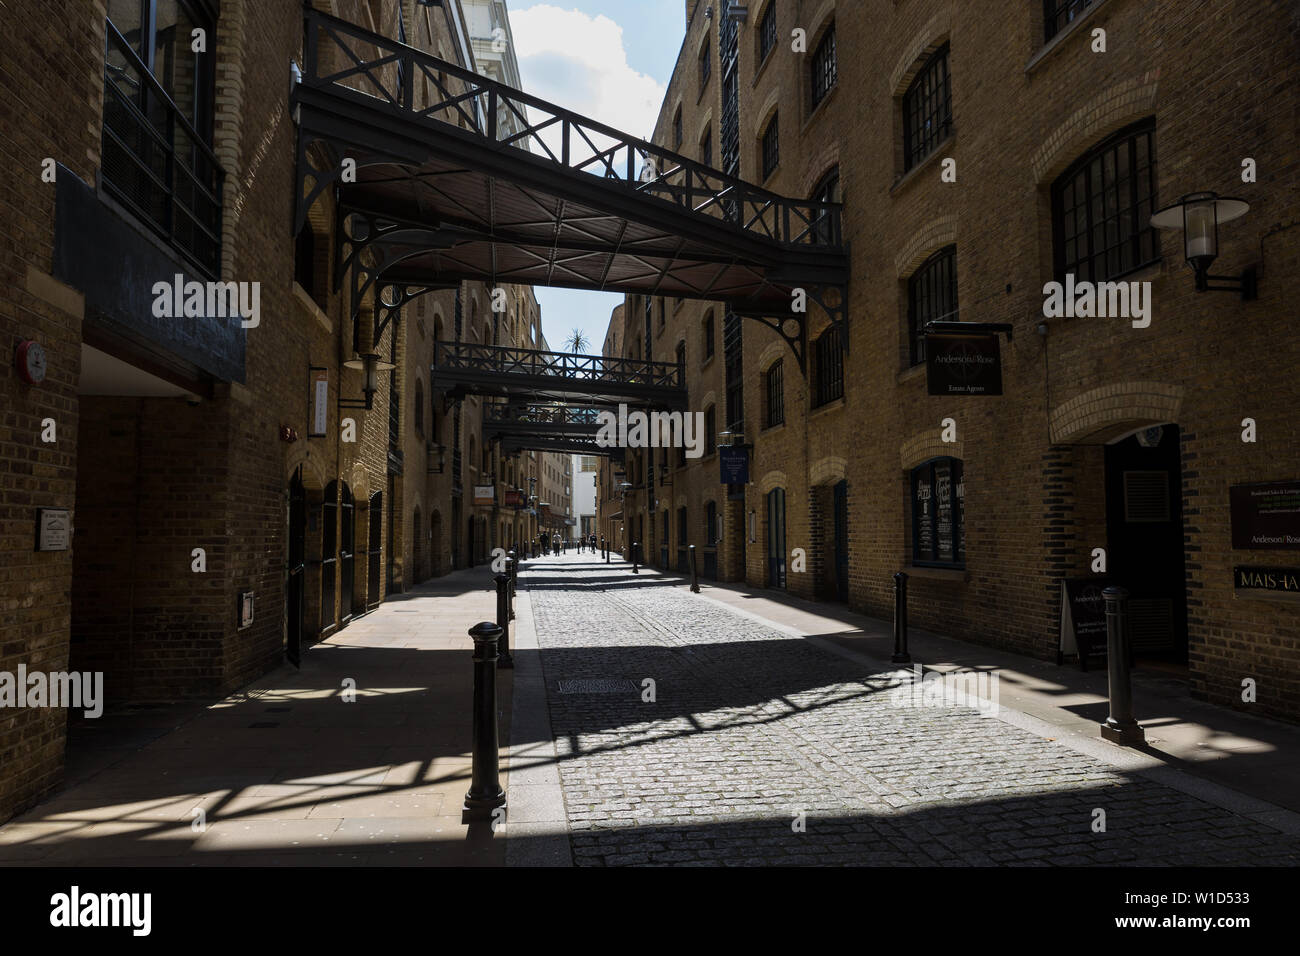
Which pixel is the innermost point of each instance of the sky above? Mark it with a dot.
(610, 60)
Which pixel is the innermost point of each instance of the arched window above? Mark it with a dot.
(827, 190)
(825, 70)
(419, 408)
(931, 297)
(939, 514)
(927, 109)
(828, 369)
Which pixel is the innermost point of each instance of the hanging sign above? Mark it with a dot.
(484, 494)
(319, 401)
(734, 463)
(1083, 618)
(1266, 515)
(963, 364)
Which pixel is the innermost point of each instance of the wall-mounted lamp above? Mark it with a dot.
(371, 364)
(1199, 215)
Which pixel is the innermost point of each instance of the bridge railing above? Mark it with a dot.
(367, 67)
(591, 369)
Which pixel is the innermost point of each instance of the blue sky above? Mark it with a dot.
(608, 59)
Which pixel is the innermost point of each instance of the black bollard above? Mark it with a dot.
(695, 577)
(1120, 727)
(512, 569)
(503, 620)
(635, 569)
(485, 794)
(901, 656)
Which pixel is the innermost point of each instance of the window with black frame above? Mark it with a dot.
(1102, 206)
(771, 146)
(931, 297)
(710, 430)
(825, 70)
(927, 109)
(939, 514)
(706, 64)
(157, 157)
(767, 32)
(710, 333)
(775, 394)
(1059, 14)
(828, 368)
(827, 190)
(706, 147)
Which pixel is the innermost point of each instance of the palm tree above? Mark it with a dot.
(577, 341)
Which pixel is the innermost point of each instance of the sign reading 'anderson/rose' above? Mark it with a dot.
(963, 364)
(1266, 515)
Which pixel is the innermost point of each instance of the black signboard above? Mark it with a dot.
(734, 462)
(1083, 618)
(1282, 580)
(1266, 515)
(963, 364)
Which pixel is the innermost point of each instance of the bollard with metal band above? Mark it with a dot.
(512, 569)
(503, 620)
(1120, 727)
(485, 794)
(695, 577)
(901, 656)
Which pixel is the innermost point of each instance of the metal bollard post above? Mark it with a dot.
(512, 569)
(503, 620)
(485, 794)
(901, 656)
(695, 577)
(1120, 727)
(635, 569)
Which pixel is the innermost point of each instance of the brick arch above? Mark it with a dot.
(764, 116)
(1110, 110)
(1100, 414)
(773, 479)
(774, 351)
(680, 502)
(925, 445)
(818, 166)
(313, 479)
(358, 479)
(828, 471)
(928, 39)
(710, 398)
(929, 239)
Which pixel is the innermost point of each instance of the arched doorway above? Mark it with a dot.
(375, 563)
(329, 557)
(347, 553)
(296, 577)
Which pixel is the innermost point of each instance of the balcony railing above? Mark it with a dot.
(154, 162)
(594, 369)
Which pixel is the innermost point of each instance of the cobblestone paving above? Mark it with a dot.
(751, 727)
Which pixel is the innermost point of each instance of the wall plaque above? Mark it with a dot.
(53, 529)
(1281, 580)
(1266, 515)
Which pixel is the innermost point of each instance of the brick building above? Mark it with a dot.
(1063, 141)
(232, 490)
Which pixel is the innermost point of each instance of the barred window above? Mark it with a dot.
(824, 69)
(775, 395)
(827, 191)
(931, 297)
(710, 335)
(927, 109)
(706, 64)
(771, 146)
(1102, 206)
(706, 147)
(710, 430)
(828, 377)
(939, 514)
(1058, 14)
(767, 32)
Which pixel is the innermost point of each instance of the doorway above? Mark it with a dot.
(1144, 539)
(329, 558)
(840, 527)
(375, 553)
(776, 538)
(347, 554)
(295, 591)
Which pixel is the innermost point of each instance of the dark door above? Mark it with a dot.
(1144, 538)
(347, 553)
(776, 538)
(841, 525)
(295, 590)
(329, 557)
(391, 525)
(374, 593)
(469, 543)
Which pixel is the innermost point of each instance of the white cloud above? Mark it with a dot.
(579, 62)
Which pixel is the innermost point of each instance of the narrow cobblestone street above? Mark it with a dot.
(751, 728)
